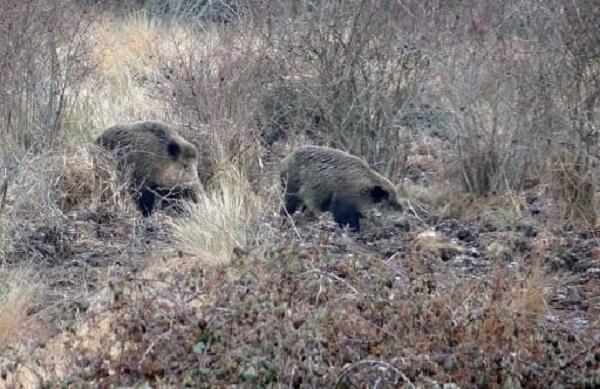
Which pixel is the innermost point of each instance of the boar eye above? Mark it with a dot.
(173, 149)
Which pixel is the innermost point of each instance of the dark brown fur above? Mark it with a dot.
(160, 161)
(323, 179)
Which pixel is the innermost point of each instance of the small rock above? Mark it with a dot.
(403, 225)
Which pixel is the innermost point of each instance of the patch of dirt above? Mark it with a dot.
(82, 237)
(78, 252)
(471, 249)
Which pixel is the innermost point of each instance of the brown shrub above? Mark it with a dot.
(87, 178)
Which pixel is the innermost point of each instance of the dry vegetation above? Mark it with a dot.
(484, 113)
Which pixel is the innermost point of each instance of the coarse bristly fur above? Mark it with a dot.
(323, 179)
(160, 161)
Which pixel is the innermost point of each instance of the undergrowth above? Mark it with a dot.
(312, 316)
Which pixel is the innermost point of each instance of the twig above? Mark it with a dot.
(3, 190)
(332, 276)
(386, 365)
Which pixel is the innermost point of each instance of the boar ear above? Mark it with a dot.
(379, 194)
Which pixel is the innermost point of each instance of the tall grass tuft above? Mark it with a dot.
(221, 221)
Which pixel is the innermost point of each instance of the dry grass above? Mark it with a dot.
(441, 198)
(18, 289)
(221, 222)
(128, 54)
(532, 294)
(507, 208)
